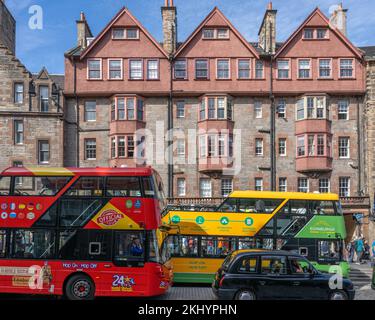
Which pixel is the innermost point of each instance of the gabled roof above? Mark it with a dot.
(43, 74)
(122, 12)
(204, 22)
(338, 33)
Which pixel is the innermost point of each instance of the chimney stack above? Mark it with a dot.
(338, 18)
(169, 16)
(267, 31)
(83, 31)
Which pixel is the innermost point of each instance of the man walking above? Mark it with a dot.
(359, 248)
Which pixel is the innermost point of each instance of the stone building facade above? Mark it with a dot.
(227, 90)
(31, 107)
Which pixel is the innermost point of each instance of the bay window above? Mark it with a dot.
(316, 145)
(312, 108)
(215, 145)
(127, 108)
(218, 108)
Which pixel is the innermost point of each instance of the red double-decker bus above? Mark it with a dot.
(81, 232)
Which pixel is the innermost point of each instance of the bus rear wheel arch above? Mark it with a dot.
(79, 286)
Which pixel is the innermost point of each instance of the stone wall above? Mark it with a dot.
(7, 28)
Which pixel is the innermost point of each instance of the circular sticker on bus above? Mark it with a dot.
(30, 206)
(12, 206)
(21, 206)
(224, 221)
(4, 206)
(4, 215)
(176, 219)
(199, 220)
(21, 215)
(13, 215)
(129, 204)
(249, 221)
(39, 206)
(30, 215)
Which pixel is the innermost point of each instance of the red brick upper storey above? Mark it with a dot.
(217, 59)
(326, 53)
(140, 48)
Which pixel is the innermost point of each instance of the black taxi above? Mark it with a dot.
(263, 274)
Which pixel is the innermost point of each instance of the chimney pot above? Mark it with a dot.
(269, 6)
(82, 16)
(171, 3)
(166, 3)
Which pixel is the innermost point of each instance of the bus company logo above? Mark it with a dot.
(13, 215)
(110, 217)
(4, 215)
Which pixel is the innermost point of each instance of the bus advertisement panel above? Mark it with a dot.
(81, 232)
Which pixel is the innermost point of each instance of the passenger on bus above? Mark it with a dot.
(136, 247)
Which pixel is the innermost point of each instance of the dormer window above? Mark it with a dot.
(209, 34)
(222, 33)
(125, 33)
(321, 33)
(216, 33)
(308, 34)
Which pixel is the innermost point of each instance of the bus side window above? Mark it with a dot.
(86, 187)
(298, 207)
(123, 187)
(4, 186)
(129, 246)
(229, 205)
(33, 244)
(3, 243)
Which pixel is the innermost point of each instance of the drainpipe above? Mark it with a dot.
(359, 150)
(170, 133)
(273, 130)
(77, 110)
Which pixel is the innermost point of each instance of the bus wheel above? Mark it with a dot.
(338, 295)
(80, 287)
(245, 294)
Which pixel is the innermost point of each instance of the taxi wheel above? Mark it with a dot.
(338, 295)
(80, 287)
(245, 294)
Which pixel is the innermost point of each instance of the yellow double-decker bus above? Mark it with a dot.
(309, 224)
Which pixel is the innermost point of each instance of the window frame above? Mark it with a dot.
(353, 69)
(347, 109)
(299, 69)
(284, 154)
(286, 69)
(100, 69)
(85, 111)
(347, 147)
(185, 70)
(121, 69)
(86, 140)
(157, 69)
(39, 151)
(178, 186)
(330, 76)
(239, 60)
(131, 70)
(207, 70)
(228, 60)
(16, 131)
(16, 92)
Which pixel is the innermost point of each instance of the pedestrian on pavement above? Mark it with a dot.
(373, 250)
(359, 249)
(366, 254)
(350, 249)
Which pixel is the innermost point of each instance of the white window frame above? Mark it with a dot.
(312, 33)
(180, 148)
(346, 113)
(226, 35)
(282, 102)
(347, 187)
(86, 112)
(17, 92)
(183, 189)
(226, 185)
(85, 145)
(121, 69)
(17, 132)
(282, 186)
(330, 68)
(130, 69)
(229, 68)
(299, 68)
(185, 70)
(178, 109)
(157, 69)
(353, 68)
(258, 182)
(40, 150)
(207, 69)
(347, 148)
(247, 70)
(208, 190)
(327, 186)
(258, 109)
(299, 187)
(257, 69)
(101, 68)
(208, 38)
(284, 141)
(259, 154)
(283, 69)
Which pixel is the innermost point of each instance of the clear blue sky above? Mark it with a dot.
(46, 47)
